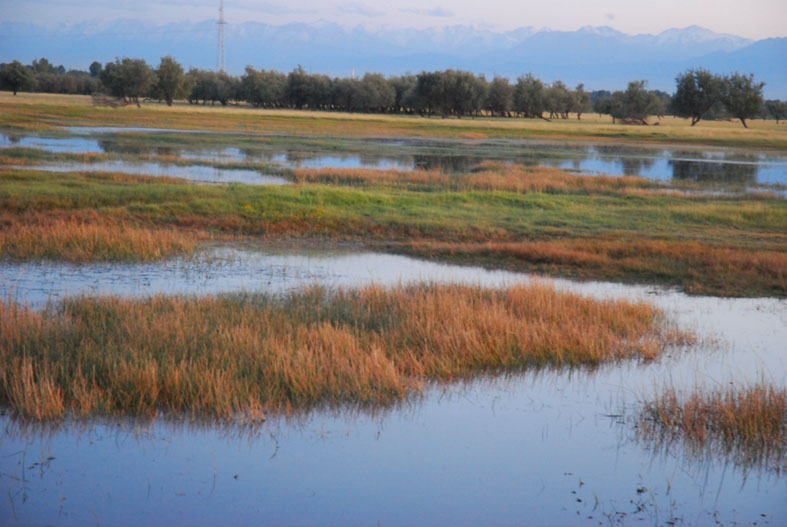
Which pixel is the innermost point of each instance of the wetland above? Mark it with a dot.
(392, 329)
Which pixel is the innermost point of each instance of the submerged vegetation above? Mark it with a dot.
(746, 425)
(234, 356)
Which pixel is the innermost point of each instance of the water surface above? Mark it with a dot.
(542, 448)
(196, 173)
(710, 165)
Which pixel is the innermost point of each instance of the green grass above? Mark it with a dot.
(673, 234)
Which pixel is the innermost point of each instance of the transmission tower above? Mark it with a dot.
(221, 23)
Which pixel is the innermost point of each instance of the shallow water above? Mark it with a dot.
(661, 163)
(546, 448)
(538, 448)
(754, 327)
(196, 173)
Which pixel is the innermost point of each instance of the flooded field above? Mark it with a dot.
(546, 447)
(555, 447)
(713, 166)
(195, 173)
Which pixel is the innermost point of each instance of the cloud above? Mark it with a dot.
(438, 12)
(352, 8)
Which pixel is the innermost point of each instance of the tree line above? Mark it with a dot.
(450, 93)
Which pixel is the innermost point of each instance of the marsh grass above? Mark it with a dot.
(224, 357)
(88, 237)
(745, 425)
(727, 246)
(485, 177)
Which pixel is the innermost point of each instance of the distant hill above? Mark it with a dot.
(601, 57)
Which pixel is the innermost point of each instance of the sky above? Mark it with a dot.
(755, 19)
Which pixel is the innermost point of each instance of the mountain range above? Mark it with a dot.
(599, 57)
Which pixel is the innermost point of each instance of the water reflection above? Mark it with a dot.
(197, 173)
(708, 165)
(547, 447)
(713, 453)
(526, 451)
(715, 172)
(117, 147)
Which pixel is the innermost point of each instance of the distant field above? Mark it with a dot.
(46, 111)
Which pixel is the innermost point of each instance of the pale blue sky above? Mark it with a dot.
(754, 19)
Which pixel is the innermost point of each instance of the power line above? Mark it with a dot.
(221, 23)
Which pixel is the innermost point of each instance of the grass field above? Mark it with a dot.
(547, 221)
(47, 111)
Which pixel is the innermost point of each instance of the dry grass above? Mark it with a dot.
(41, 111)
(87, 237)
(364, 176)
(747, 425)
(486, 177)
(517, 178)
(231, 357)
(703, 269)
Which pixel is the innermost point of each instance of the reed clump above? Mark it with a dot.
(747, 425)
(87, 238)
(486, 177)
(222, 357)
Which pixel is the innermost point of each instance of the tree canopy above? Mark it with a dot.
(699, 95)
(17, 77)
(742, 97)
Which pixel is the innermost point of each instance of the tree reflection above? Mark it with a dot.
(713, 172)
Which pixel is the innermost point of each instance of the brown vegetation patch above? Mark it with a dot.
(518, 178)
(486, 177)
(226, 357)
(84, 237)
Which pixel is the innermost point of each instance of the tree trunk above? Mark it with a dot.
(743, 121)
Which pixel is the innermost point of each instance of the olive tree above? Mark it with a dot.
(777, 109)
(636, 103)
(697, 92)
(500, 97)
(742, 97)
(17, 77)
(171, 80)
(128, 79)
(529, 96)
(580, 101)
